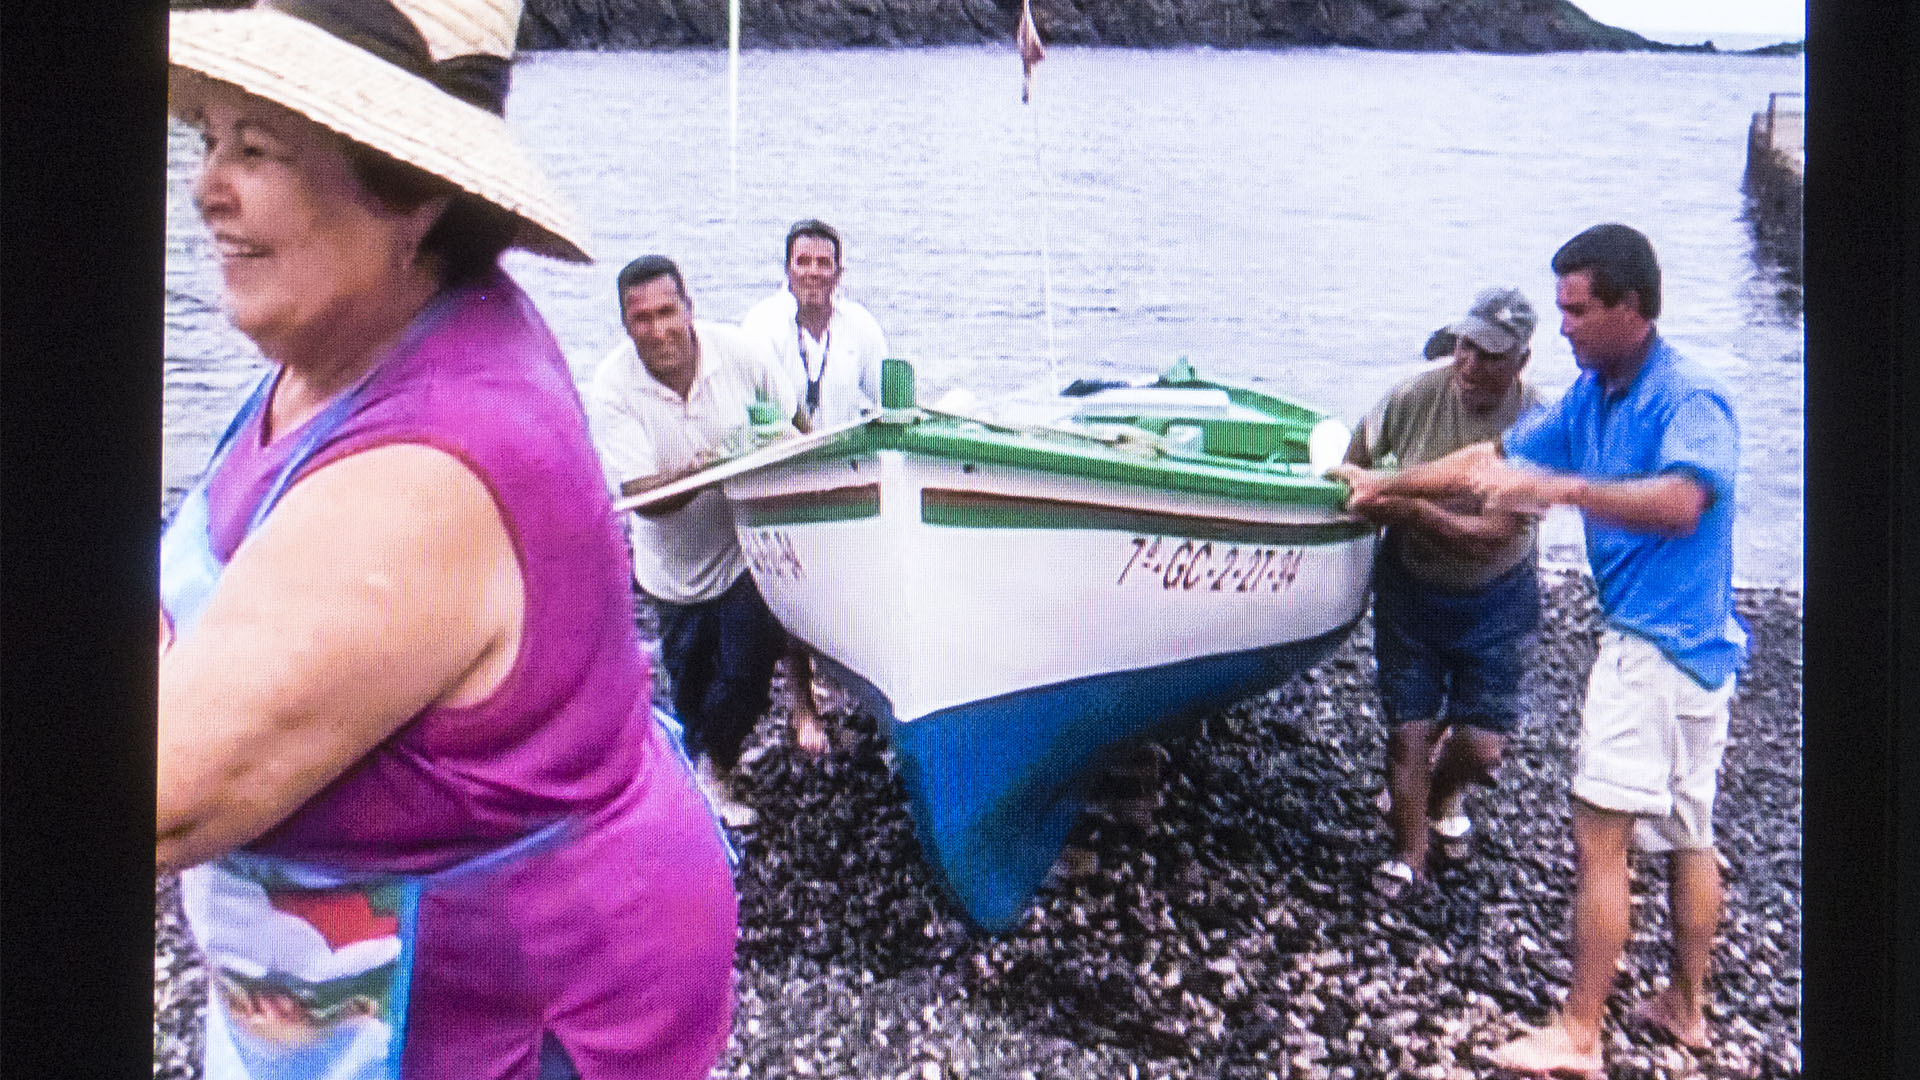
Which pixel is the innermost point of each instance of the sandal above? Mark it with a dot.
(1453, 837)
(1392, 878)
(1452, 834)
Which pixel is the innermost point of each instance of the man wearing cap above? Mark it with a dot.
(1646, 446)
(1456, 589)
(663, 404)
(832, 348)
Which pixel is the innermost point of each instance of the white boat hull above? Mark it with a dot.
(935, 615)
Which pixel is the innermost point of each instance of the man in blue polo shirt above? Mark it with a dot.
(1645, 445)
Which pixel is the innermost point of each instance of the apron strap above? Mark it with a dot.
(341, 408)
(261, 390)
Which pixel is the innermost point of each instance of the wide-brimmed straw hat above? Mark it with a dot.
(423, 81)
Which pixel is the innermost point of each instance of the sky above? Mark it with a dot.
(1784, 20)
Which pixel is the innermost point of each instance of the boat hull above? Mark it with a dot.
(1015, 627)
(995, 786)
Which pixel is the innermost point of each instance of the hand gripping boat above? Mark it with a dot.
(1020, 601)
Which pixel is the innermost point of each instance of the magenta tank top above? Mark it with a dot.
(570, 727)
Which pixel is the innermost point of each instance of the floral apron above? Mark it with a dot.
(308, 970)
(309, 967)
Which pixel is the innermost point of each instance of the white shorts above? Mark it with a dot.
(1650, 744)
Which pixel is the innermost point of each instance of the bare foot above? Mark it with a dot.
(810, 737)
(1550, 1051)
(1671, 1018)
(1077, 862)
(719, 791)
(826, 697)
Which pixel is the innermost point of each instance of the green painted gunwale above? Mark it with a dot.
(1064, 454)
(991, 510)
(1282, 436)
(851, 503)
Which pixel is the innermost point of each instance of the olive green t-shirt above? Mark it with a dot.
(1422, 419)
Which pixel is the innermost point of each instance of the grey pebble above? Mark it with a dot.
(1238, 936)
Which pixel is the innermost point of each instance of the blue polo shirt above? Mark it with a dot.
(1676, 591)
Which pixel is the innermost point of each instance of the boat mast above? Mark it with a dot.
(733, 106)
(1046, 259)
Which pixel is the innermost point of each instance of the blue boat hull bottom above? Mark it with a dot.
(995, 786)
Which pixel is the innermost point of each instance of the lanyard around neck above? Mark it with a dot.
(813, 377)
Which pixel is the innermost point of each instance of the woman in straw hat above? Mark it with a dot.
(430, 825)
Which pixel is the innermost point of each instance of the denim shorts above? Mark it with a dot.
(1455, 657)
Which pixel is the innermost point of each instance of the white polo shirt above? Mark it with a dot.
(847, 363)
(642, 428)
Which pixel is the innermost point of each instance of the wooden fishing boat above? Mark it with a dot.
(1019, 601)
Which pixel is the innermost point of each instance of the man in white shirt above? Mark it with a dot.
(666, 403)
(831, 348)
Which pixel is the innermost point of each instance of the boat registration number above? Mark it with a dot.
(1188, 565)
(770, 553)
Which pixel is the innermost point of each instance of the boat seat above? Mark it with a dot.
(1155, 401)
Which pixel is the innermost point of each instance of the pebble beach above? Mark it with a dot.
(1237, 935)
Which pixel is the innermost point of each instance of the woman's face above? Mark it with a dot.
(306, 252)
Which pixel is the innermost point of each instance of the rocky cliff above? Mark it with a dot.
(1514, 26)
(1506, 26)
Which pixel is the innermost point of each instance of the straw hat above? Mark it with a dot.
(423, 81)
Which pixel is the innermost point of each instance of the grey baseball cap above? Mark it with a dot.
(1499, 321)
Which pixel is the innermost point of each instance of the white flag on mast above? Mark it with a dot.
(1027, 39)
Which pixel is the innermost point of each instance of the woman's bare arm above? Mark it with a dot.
(381, 584)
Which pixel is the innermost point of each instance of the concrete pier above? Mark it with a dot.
(1776, 167)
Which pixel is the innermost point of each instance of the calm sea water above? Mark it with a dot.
(1296, 220)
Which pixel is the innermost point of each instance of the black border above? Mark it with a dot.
(83, 162)
(1860, 663)
(1906, 500)
(84, 159)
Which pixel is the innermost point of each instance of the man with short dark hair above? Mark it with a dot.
(1456, 586)
(665, 403)
(832, 348)
(1646, 446)
(831, 345)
